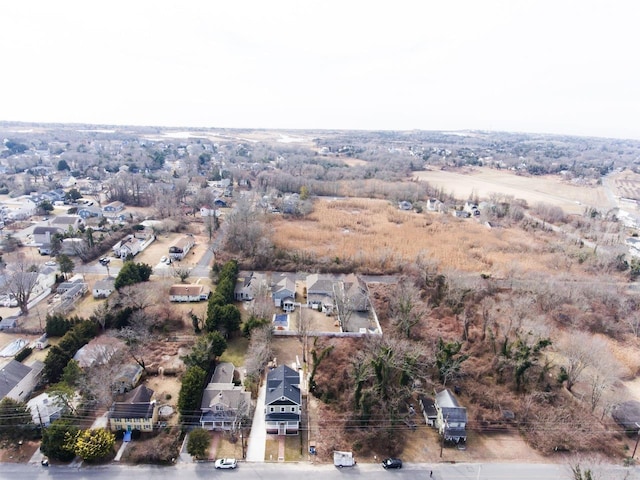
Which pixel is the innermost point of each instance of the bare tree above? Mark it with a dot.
(181, 272)
(137, 336)
(244, 228)
(259, 353)
(21, 281)
(406, 307)
(304, 327)
(344, 305)
(581, 350)
(262, 304)
(601, 376)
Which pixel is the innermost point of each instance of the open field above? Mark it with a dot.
(547, 189)
(375, 234)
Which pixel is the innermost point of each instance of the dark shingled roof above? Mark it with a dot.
(283, 382)
(10, 375)
(138, 405)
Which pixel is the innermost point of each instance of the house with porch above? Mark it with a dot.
(283, 401)
(283, 293)
(224, 404)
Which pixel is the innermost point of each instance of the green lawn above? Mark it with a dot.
(236, 350)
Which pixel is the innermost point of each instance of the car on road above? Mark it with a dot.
(105, 260)
(226, 463)
(51, 263)
(392, 463)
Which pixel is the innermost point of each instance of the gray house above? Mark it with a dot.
(223, 403)
(17, 381)
(283, 401)
(283, 293)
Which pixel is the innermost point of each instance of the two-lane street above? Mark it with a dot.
(295, 471)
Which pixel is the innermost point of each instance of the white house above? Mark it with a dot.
(188, 293)
(103, 288)
(44, 410)
(223, 403)
(180, 249)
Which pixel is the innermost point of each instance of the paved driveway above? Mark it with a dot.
(258, 437)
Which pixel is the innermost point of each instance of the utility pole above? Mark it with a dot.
(637, 439)
(242, 441)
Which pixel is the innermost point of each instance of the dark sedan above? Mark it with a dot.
(392, 463)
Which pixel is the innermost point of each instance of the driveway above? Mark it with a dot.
(258, 437)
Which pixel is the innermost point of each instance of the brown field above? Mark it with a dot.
(378, 236)
(549, 189)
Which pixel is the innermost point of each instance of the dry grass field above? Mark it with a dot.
(549, 189)
(376, 235)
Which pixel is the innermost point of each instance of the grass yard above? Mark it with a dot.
(236, 350)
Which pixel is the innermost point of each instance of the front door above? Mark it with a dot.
(282, 428)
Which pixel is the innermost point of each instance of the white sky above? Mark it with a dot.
(556, 66)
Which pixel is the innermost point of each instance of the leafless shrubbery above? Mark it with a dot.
(549, 213)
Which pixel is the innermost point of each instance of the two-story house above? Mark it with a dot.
(224, 404)
(136, 412)
(451, 418)
(283, 401)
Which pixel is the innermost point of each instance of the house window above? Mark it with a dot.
(282, 409)
(272, 409)
(293, 409)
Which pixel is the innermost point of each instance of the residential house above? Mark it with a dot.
(128, 247)
(67, 223)
(188, 293)
(127, 378)
(435, 205)
(223, 403)
(460, 213)
(451, 420)
(356, 293)
(283, 401)
(17, 381)
(137, 412)
(472, 208)
(320, 291)
(73, 288)
(42, 235)
(98, 351)
(103, 288)
(283, 293)
(243, 290)
(87, 212)
(44, 410)
(8, 323)
(113, 207)
(428, 407)
(180, 249)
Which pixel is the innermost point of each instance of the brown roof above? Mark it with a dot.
(188, 289)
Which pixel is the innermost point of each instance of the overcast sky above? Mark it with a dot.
(516, 65)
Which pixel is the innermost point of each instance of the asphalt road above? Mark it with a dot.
(295, 471)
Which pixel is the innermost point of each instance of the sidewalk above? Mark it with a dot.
(257, 439)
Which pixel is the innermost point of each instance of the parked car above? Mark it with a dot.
(392, 463)
(163, 260)
(226, 463)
